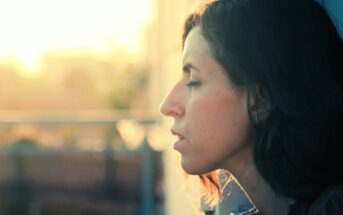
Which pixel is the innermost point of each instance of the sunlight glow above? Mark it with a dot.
(32, 27)
(131, 132)
(157, 138)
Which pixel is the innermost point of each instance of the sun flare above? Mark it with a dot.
(33, 27)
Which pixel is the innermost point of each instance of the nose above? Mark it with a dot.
(173, 104)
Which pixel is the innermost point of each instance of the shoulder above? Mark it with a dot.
(329, 202)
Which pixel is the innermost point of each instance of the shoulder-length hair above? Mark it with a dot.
(289, 57)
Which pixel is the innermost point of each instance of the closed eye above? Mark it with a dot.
(193, 84)
(188, 70)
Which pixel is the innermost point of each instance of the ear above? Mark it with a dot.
(259, 103)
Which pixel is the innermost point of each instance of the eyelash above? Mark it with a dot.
(193, 84)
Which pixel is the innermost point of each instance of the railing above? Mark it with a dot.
(147, 161)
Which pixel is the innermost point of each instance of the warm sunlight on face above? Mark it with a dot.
(32, 27)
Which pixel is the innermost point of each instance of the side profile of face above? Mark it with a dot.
(210, 115)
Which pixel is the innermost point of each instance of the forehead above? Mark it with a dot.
(195, 45)
(197, 52)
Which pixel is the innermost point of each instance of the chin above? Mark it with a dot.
(194, 169)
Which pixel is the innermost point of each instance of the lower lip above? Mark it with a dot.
(178, 143)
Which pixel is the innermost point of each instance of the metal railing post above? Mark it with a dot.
(147, 194)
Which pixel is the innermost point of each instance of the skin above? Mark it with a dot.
(212, 122)
(211, 115)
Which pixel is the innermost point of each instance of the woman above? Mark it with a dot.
(261, 96)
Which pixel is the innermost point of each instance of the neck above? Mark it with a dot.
(259, 192)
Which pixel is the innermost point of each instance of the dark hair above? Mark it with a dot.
(289, 57)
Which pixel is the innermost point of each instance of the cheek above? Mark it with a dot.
(218, 115)
(217, 126)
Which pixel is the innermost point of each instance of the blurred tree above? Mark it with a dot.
(77, 81)
(130, 85)
(24, 145)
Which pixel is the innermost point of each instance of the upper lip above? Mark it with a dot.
(177, 134)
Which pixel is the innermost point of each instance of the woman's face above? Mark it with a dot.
(210, 115)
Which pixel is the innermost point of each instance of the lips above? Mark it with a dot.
(179, 136)
(181, 140)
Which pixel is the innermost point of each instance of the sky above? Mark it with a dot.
(29, 28)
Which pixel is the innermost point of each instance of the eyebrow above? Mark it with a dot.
(187, 68)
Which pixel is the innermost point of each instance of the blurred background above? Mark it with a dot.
(80, 87)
